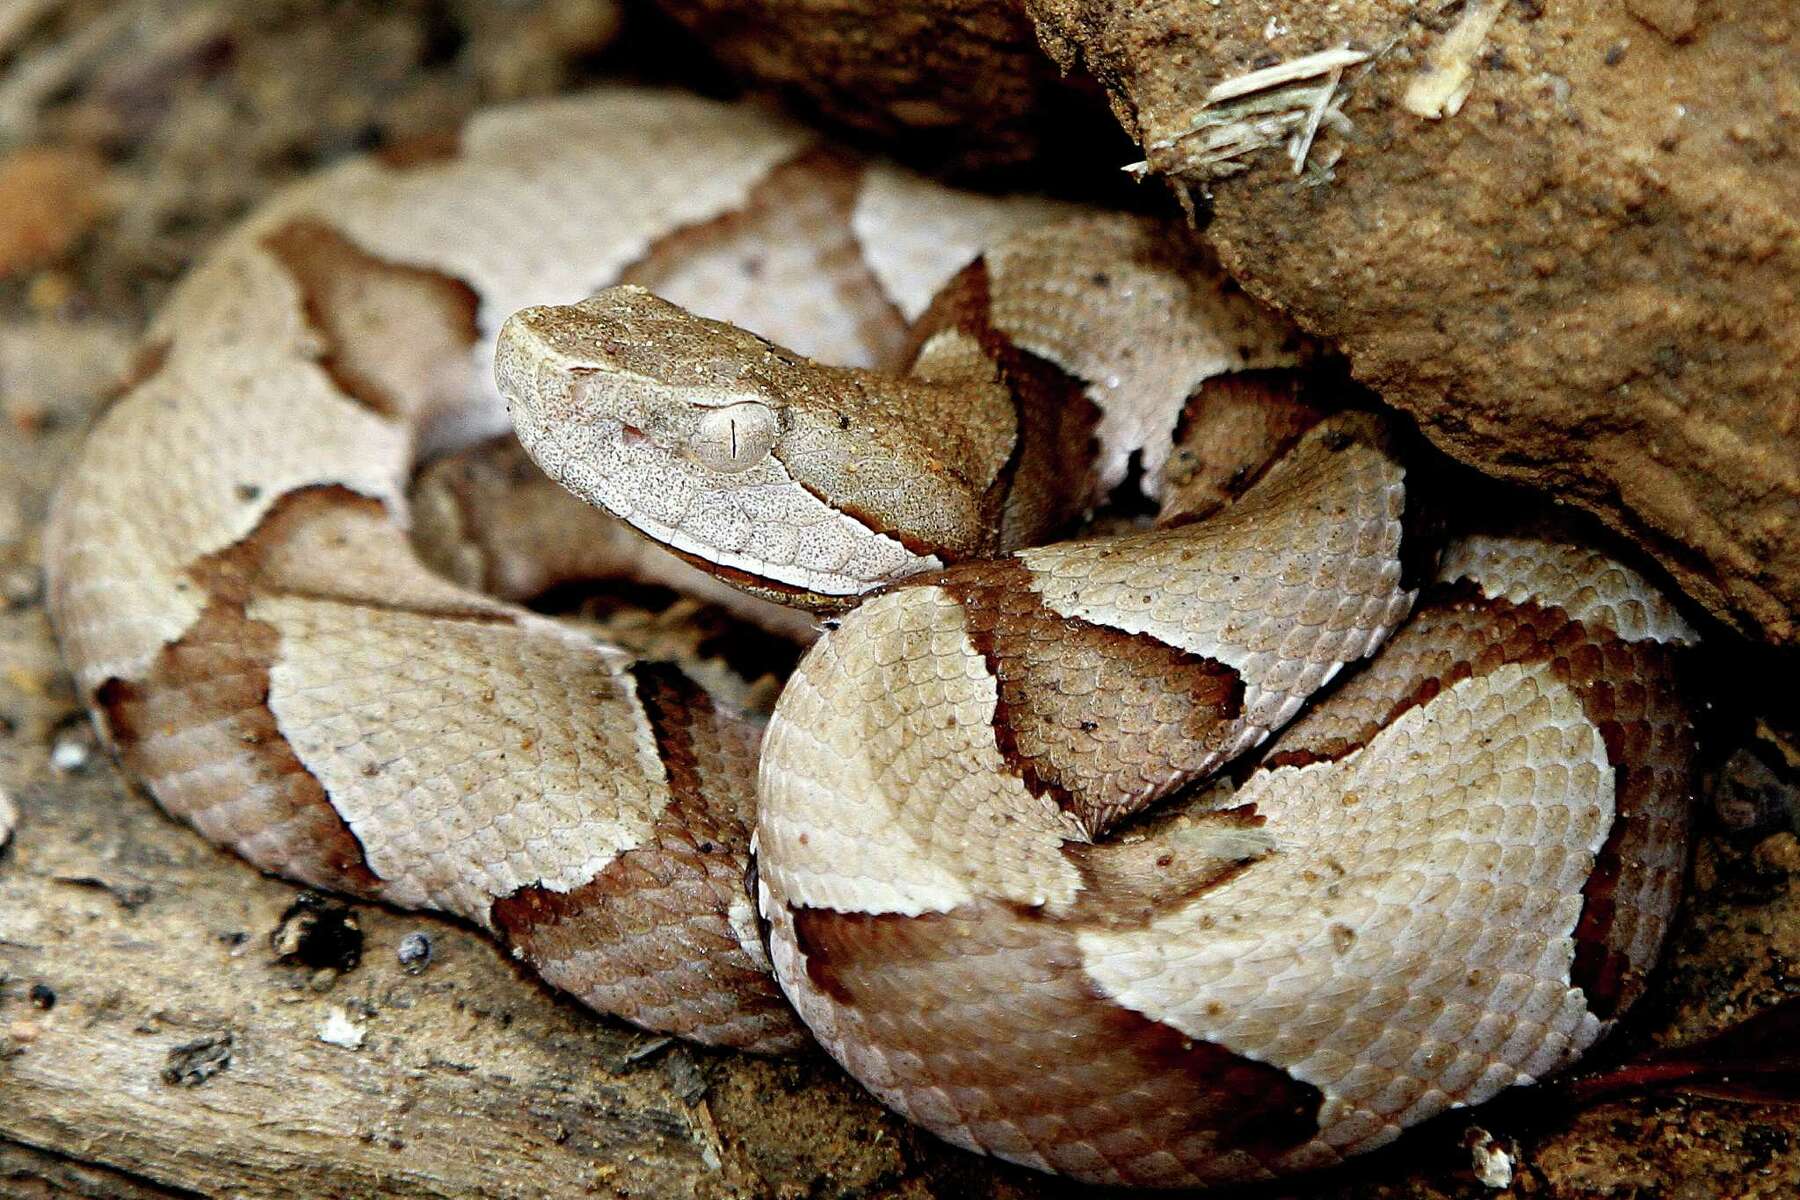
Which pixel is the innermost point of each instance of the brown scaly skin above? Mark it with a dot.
(1451, 879)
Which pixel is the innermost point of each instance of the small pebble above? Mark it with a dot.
(72, 750)
(44, 996)
(414, 953)
(1492, 1165)
(338, 1029)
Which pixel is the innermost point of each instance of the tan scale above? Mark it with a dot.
(1448, 877)
(290, 385)
(1446, 880)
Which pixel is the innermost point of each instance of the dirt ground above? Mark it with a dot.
(151, 1042)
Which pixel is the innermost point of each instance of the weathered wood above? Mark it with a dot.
(25, 1171)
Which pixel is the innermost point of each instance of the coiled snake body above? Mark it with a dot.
(1445, 878)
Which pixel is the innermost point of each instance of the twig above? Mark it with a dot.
(1258, 109)
(1301, 146)
(1309, 66)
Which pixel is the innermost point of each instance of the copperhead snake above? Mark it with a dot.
(1447, 876)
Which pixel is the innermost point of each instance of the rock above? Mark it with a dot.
(1674, 19)
(1489, 1160)
(1581, 277)
(338, 1028)
(963, 81)
(414, 952)
(72, 750)
(1578, 273)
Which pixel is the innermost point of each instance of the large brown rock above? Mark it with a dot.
(963, 83)
(1582, 279)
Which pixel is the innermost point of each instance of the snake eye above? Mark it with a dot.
(734, 438)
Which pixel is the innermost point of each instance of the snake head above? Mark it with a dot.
(648, 373)
(743, 457)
